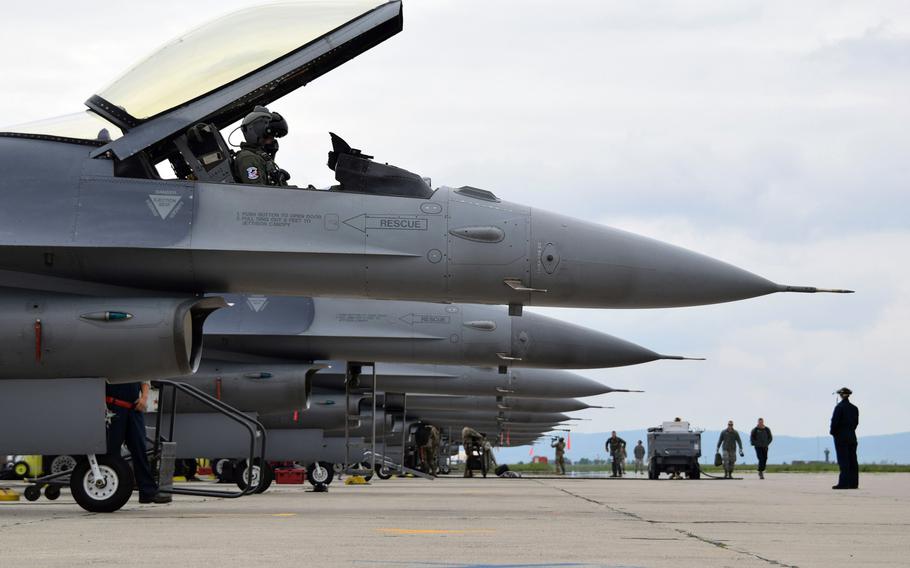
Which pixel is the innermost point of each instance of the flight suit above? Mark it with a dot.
(128, 425)
(843, 428)
(616, 448)
(560, 456)
(433, 450)
(252, 164)
(639, 454)
(727, 443)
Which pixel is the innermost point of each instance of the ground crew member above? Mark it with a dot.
(843, 428)
(433, 450)
(488, 456)
(473, 444)
(255, 162)
(761, 438)
(126, 404)
(729, 439)
(422, 442)
(639, 453)
(616, 447)
(560, 446)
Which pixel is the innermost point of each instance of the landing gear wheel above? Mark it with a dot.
(62, 463)
(320, 473)
(192, 467)
(220, 469)
(383, 471)
(108, 494)
(32, 492)
(21, 470)
(262, 476)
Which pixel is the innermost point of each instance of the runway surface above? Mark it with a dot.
(786, 520)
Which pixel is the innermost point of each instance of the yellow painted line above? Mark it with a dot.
(436, 531)
(285, 515)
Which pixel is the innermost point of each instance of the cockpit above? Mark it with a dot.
(174, 105)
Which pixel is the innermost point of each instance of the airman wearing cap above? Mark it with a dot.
(843, 428)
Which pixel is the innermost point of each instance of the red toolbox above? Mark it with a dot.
(290, 476)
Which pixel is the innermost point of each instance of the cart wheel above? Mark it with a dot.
(21, 470)
(107, 494)
(445, 469)
(319, 473)
(33, 492)
(383, 471)
(338, 468)
(52, 492)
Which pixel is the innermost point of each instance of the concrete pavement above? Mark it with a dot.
(786, 520)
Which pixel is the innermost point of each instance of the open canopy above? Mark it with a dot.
(219, 71)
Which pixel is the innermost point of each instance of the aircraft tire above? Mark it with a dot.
(113, 495)
(263, 475)
(219, 466)
(323, 476)
(366, 466)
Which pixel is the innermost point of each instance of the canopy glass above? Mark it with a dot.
(224, 50)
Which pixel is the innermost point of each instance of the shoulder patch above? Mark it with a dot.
(252, 173)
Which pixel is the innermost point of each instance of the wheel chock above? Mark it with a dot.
(356, 480)
(8, 494)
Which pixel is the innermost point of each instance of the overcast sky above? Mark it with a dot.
(773, 135)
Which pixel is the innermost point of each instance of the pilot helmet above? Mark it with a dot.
(261, 124)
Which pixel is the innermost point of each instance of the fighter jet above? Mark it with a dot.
(472, 381)
(488, 403)
(89, 224)
(308, 329)
(102, 260)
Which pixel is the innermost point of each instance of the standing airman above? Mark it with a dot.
(560, 446)
(727, 442)
(843, 428)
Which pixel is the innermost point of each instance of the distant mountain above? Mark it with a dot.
(889, 448)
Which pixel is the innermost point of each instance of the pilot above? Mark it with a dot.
(255, 162)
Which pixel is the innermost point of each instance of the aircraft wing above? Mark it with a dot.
(217, 72)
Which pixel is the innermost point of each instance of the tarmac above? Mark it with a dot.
(786, 520)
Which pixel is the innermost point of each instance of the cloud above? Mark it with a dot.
(768, 134)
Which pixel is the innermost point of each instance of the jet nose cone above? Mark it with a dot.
(545, 342)
(547, 383)
(588, 265)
